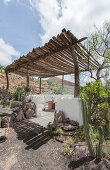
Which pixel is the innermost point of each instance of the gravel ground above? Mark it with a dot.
(15, 156)
(22, 152)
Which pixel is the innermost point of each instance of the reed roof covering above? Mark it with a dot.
(54, 58)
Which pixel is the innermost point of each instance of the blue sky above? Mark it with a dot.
(25, 24)
(19, 27)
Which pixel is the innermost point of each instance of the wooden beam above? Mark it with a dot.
(40, 86)
(27, 78)
(7, 80)
(76, 67)
(62, 84)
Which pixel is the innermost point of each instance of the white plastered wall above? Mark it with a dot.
(66, 103)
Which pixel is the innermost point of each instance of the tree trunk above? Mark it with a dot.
(62, 84)
(40, 86)
(76, 73)
(7, 86)
(27, 80)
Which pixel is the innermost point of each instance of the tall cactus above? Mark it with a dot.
(99, 145)
(86, 126)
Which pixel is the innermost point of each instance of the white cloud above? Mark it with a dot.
(7, 52)
(79, 16)
(7, 1)
(76, 15)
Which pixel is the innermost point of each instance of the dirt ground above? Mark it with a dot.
(21, 152)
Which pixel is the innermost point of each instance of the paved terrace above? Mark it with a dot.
(44, 118)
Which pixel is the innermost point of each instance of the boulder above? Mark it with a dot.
(15, 104)
(59, 117)
(29, 113)
(5, 122)
(2, 135)
(20, 116)
(66, 120)
(74, 123)
(30, 105)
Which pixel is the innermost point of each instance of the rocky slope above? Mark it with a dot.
(16, 80)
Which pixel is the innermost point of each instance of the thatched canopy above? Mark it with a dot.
(54, 58)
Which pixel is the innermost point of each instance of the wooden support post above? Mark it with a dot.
(7, 80)
(62, 84)
(40, 86)
(27, 78)
(76, 73)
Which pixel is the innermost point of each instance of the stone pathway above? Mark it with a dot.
(44, 118)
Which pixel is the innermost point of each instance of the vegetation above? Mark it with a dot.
(97, 98)
(2, 69)
(19, 92)
(99, 46)
(96, 115)
(86, 126)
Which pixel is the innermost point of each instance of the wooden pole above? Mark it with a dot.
(40, 86)
(62, 84)
(7, 80)
(76, 72)
(27, 78)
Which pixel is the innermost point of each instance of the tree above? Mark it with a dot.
(99, 46)
(1, 68)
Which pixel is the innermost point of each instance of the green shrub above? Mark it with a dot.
(66, 150)
(79, 135)
(97, 98)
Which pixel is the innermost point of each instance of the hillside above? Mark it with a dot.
(57, 85)
(57, 80)
(53, 85)
(16, 80)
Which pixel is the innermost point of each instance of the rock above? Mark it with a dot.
(4, 94)
(59, 139)
(60, 125)
(31, 105)
(59, 117)
(20, 116)
(74, 123)
(14, 104)
(69, 128)
(25, 108)
(16, 110)
(29, 113)
(5, 122)
(2, 135)
(67, 133)
(66, 120)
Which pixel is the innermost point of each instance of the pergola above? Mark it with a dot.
(62, 55)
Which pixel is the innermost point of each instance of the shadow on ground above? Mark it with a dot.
(79, 162)
(89, 163)
(32, 134)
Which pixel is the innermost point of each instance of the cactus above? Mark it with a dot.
(86, 126)
(99, 145)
